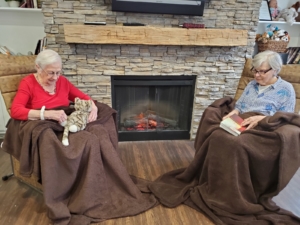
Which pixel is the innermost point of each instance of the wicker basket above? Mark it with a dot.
(276, 46)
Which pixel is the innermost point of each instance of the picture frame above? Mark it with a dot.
(264, 11)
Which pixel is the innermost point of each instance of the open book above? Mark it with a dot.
(232, 125)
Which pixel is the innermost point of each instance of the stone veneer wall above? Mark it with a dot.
(90, 66)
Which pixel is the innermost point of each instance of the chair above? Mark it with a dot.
(12, 70)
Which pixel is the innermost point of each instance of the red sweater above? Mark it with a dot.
(31, 95)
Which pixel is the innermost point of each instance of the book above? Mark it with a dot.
(290, 52)
(41, 45)
(44, 43)
(6, 51)
(3, 51)
(10, 52)
(292, 55)
(35, 4)
(39, 3)
(232, 125)
(37, 48)
(296, 60)
(29, 4)
(23, 5)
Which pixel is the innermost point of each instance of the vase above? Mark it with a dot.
(13, 3)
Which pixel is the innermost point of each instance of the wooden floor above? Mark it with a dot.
(22, 205)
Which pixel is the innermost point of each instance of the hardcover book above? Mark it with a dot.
(232, 125)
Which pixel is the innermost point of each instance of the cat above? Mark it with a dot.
(77, 120)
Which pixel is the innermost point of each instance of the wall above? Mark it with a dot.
(89, 66)
(3, 3)
(21, 29)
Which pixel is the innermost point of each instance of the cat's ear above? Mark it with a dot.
(76, 99)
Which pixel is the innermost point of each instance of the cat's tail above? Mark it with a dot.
(65, 138)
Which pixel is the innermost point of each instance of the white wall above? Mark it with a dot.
(3, 3)
(20, 29)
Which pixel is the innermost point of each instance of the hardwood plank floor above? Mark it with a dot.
(22, 205)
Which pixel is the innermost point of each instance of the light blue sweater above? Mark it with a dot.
(279, 96)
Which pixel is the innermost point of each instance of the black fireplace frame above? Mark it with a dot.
(154, 81)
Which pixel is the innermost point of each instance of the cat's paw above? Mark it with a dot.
(65, 142)
(73, 128)
(63, 123)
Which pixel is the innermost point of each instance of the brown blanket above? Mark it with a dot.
(233, 179)
(83, 182)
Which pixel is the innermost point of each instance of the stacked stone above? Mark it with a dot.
(89, 67)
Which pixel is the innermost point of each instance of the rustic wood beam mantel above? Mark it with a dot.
(147, 35)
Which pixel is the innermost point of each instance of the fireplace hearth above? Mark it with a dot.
(153, 107)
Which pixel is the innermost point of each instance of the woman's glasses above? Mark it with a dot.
(260, 72)
(52, 73)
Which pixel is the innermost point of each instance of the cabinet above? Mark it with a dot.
(21, 28)
(294, 30)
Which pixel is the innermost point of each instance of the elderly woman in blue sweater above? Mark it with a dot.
(267, 93)
(232, 180)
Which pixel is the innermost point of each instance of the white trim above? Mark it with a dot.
(42, 113)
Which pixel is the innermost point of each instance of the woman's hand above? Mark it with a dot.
(235, 111)
(58, 115)
(252, 121)
(94, 113)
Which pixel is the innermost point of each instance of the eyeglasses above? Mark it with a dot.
(51, 74)
(260, 72)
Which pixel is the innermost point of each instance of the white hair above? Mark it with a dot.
(272, 58)
(47, 57)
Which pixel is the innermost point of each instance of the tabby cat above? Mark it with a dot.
(77, 120)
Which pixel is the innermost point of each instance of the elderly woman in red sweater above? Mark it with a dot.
(86, 181)
(45, 90)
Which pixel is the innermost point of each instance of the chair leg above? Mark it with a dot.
(6, 177)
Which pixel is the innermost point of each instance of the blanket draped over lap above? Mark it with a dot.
(84, 182)
(233, 179)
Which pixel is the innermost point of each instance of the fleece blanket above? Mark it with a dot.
(233, 179)
(84, 182)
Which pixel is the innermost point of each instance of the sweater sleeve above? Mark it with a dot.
(289, 99)
(18, 109)
(239, 103)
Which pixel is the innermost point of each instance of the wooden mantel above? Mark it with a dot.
(147, 35)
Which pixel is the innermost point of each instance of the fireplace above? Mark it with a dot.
(153, 107)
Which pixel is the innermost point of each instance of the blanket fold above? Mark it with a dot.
(233, 179)
(84, 182)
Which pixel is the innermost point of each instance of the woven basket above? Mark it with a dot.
(276, 46)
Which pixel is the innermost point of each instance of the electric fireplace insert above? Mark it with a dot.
(153, 107)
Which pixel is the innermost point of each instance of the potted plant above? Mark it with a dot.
(14, 3)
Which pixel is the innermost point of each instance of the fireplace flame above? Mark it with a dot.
(148, 121)
(141, 115)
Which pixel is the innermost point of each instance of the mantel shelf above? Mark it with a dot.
(147, 35)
